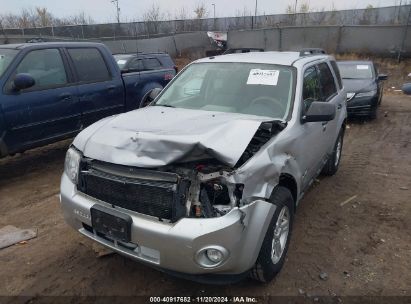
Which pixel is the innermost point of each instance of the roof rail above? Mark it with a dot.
(311, 51)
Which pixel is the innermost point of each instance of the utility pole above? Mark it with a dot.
(213, 4)
(295, 13)
(255, 13)
(115, 2)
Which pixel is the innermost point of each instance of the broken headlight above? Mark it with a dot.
(71, 164)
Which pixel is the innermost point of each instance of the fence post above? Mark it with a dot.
(280, 38)
(405, 36)
(340, 29)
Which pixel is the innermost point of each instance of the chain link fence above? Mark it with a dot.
(396, 15)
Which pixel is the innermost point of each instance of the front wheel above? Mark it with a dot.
(331, 167)
(275, 245)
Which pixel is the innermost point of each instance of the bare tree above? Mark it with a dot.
(200, 11)
(44, 18)
(305, 7)
(181, 14)
(151, 18)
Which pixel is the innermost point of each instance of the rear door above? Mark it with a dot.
(101, 94)
(331, 94)
(46, 111)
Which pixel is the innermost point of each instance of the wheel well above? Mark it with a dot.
(286, 180)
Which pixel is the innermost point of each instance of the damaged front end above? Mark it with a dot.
(205, 188)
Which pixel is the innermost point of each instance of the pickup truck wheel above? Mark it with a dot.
(331, 167)
(146, 100)
(275, 245)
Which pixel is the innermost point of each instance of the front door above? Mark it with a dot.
(46, 111)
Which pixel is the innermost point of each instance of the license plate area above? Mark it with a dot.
(111, 223)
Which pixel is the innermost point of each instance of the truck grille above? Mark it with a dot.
(150, 192)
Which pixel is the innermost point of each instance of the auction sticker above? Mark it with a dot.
(263, 77)
(362, 67)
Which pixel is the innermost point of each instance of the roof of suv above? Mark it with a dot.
(281, 58)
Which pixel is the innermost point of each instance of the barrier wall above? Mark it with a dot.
(379, 40)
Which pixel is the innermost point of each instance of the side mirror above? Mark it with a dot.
(154, 93)
(382, 77)
(406, 88)
(23, 81)
(319, 111)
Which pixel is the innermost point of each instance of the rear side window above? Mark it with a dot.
(89, 64)
(327, 81)
(46, 67)
(136, 64)
(151, 64)
(337, 73)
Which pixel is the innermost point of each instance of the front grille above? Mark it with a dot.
(149, 192)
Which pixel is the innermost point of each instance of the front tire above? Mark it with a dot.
(331, 166)
(275, 245)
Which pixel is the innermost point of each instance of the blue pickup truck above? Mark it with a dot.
(51, 91)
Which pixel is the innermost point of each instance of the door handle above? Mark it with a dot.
(111, 88)
(65, 96)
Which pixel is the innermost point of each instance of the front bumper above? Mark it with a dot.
(173, 247)
(362, 106)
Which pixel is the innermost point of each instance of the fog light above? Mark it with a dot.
(211, 256)
(214, 255)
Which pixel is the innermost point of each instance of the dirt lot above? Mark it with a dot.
(364, 246)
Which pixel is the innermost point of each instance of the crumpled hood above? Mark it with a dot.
(156, 136)
(359, 85)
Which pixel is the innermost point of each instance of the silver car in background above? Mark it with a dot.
(204, 182)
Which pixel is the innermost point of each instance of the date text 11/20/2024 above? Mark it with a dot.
(203, 300)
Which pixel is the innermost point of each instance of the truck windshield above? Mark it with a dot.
(247, 88)
(356, 71)
(6, 56)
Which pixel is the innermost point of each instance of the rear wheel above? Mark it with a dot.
(331, 167)
(275, 245)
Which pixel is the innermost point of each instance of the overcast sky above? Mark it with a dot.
(104, 11)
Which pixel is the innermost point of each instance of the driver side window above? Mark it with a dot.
(311, 87)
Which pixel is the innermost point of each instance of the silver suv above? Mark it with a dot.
(204, 182)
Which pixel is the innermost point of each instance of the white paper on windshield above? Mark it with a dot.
(263, 77)
(362, 67)
(121, 61)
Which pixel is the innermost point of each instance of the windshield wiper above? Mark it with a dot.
(165, 105)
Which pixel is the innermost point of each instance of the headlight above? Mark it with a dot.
(366, 94)
(71, 164)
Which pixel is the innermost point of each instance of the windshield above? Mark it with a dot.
(6, 56)
(356, 71)
(247, 88)
(121, 60)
